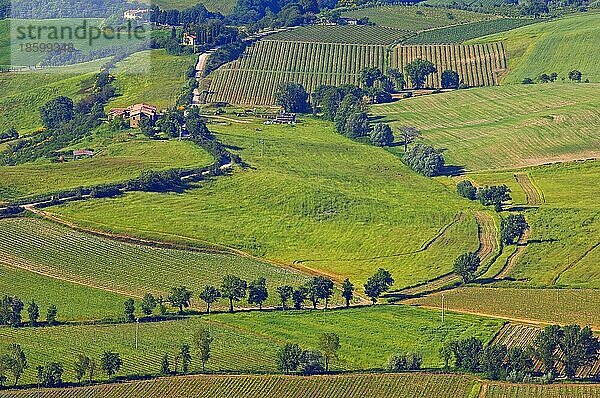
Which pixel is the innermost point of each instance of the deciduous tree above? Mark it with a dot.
(257, 292)
(210, 295)
(233, 289)
(378, 284)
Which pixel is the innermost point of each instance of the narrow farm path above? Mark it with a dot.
(513, 259)
(488, 245)
(533, 194)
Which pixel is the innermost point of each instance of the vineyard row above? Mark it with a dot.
(253, 79)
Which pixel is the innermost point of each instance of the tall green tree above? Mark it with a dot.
(408, 134)
(289, 357)
(579, 347)
(285, 293)
(233, 289)
(397, 78)
(493, 196)
(180, 297)
(129, 310)
(368, 76)
(378, 284)
(450, 79)
(425, 160)
(466, 265)
(299, 296)
(15, 361)
(203, 340)
(319, 288)
(81, 367)
(347, 291)
(165, 366)
(292, 97)
(148, 304)
(381, 135)
(57, 112)
(51, 316)
(111, 363)
(329, 344)
(512, 227)
(186, 357)
(466, 189)
(257, 292)
(418, 71)
(210, 294)
(545, 346)
(34, 313)
(493, 361)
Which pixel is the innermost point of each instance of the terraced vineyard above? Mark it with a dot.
(522, 336)
(415, 385)
(254, 78)
(62, 253)
(476, 65)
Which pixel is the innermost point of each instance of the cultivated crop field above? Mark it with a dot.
(129, 269)
(119, 158)
(246, 342)
(311, 199)
(565, 306)
(342, 34)
(557, 46)
(415, 18)
(416, 385)
(505, 390)
(475, 65)
(467, 31)
(549, 123)
(268, 63)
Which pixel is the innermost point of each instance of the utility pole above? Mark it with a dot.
(137, 331)
(442, 307)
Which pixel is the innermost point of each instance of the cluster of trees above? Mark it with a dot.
(402, 362)
(14, 361)
(64, 122)
(425, 159)
(10, 134)
(11, 308)
(574, 76)
(293, 359)
(570, 346)
(196, 15)
(487, 195)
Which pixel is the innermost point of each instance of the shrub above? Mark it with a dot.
(466, 189)
(425, 159)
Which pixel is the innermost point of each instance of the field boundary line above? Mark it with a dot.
(531, 322)
(511, 261)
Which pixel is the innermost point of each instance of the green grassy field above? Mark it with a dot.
(74, 302)
(415, 385)
(119, 158)
(248, 342)
(505, 127)
(152, 77)
(558, 46)
(564, 306)
(126, 268)
(4, 42)
(563, 249)
(24, 93)
(415, 18)
(315, 199)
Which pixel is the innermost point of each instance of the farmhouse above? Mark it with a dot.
(134, 114)
(190, 40)
(137, 15)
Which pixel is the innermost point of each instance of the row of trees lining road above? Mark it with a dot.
(318, 289)
(11, 308)
(487, 195)
(570, 346)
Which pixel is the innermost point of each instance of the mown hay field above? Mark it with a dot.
(547, 123)
(312, 198)
(560, 46)
(248, 342)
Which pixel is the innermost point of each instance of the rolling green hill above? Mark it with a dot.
(311, 198)
(505, 127)
(559, 46)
